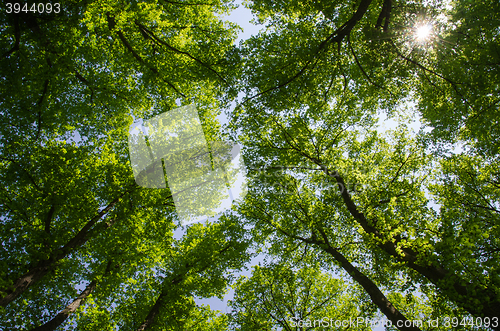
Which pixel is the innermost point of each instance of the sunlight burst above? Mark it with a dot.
(423, 32)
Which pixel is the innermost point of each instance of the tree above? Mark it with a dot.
(462, 104)
(68, 207)
(73, 306)
(281, 296)
(408, 221)
(288, 206)
(315, 113)
(205, 255)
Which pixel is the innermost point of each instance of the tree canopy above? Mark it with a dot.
(351, 222)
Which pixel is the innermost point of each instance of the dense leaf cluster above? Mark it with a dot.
(350, 221)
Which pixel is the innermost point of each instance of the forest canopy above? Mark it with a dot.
(349, 222)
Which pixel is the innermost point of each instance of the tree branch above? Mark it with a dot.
(41, 268)
(111, 25)
(462, 292)
(385, 14)
(336, 37)
(147, 32)
(360, 66)
(449, 81)
(25, 171)
(73, 306)
(48, 220)
(39, 105)
(17, 37)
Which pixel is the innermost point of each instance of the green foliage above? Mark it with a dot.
(352, 221)
(278, 296)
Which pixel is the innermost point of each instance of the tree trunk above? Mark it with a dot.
(148, 321)
(150, 318)
(35, 273)
(457, 290)
(378, 298)
(72, 307)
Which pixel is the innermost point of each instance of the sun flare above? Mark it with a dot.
(423, 32)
